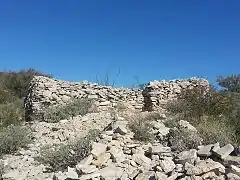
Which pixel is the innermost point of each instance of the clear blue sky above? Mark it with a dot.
(157, 39)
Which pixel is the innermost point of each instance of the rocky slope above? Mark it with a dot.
(117, 155)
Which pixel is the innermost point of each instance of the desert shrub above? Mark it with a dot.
(230, 83)
(183, 139)
(18, 82)
(199, 101)
(58, 158)
(217, 130)
(142, 129)
(11, 113)
(71, 109)
(6, 96)
(12, 138)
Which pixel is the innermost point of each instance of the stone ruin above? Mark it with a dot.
(45, 92)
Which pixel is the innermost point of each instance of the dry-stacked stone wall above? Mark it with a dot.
(158, 93)
(45, 92)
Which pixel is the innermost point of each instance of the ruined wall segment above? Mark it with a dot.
(46, 92)
(158, 93)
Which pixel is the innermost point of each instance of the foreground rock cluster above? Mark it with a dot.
(117, 156)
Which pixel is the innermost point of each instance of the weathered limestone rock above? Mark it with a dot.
(87, 169)
(102, 160)
(224, 151)
(98, 149)
(160, 176)
(186, 125)
(120, 127)
(117, 154)
(167, 165)
(231, 176)
(90, 176)
(85, 162)
(187, 156)
(206, 151)
(159, 149)
(235, 170)
(13, 175)
(69, 175)
(145, 175)
(111, 172)
(141, 159)
(206, 166)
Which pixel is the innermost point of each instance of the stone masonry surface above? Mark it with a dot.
(45, 92)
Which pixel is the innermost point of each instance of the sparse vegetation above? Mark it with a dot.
(13, 88)
(215, 113)
(217, 130)
(142, 128)
(18, 82)
(60, 157)
(71, 109)
(230, 83)
(11, 113)
(12, 138)
(200, 101)
(181, 140)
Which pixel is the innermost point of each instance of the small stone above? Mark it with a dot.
(187, 156)
(231, 176)
(179, 168)
(158, 149)
(87, 169)
(71, 174)
(206, 166)
(187, 125)
(111, 172)
(160, 176)
(141, 159)
(145, 176)
(105, 103)
(12, 175)
(98, 149)
(86, 161)
(120, 127)
(235, 170)
(206, 151)
(167, 165)
(209, 175)
(224, 151)
(188, 166)
(59, 176)
(114, 143)
(89, 176)
(117, 154)
(102, 160)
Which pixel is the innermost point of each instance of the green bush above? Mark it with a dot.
(199, 101)
(142, 129)
(18, 82)
(6, 96)
(217, 130)
(71, 109)
(230, 83)
(60, 157)
(11, 113)
(183, 139)
(12, 138)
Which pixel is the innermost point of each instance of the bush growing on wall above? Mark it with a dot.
(18, 82)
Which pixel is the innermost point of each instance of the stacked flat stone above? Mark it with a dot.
(158, 93)
(45, 92)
